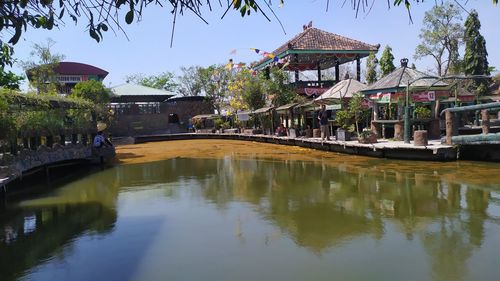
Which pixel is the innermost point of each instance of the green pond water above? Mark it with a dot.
(257, 219)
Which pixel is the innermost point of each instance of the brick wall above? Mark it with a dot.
(146, 124)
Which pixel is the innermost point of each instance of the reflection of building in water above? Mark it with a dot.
(28, 239)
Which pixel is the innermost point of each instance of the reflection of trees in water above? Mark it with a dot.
(35, 235)
(319, 205)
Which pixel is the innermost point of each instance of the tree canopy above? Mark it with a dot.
(442, 36)
(386, 61)
(163, 81)
(476, 55)
(40, 68)
(91, 90)
(371, 69)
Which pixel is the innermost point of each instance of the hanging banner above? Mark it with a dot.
(333, 107)
(312, 91)
(429, 96)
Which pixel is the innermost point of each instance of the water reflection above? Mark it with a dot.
(319, 206)
(31, 236)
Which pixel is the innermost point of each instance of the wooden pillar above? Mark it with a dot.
(449, 127)
(375, 111)
(337, 72)
(319, 75)
(296, 60)
(358, 68)
(485, 124)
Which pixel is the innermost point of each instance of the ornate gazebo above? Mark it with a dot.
(316, 50)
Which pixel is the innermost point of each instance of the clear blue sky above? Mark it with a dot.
(148, 48)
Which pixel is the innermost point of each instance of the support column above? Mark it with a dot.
(358, 68)
(319, 75)
(337, 72)
(296, 60)
(449, 127)
(485, 123)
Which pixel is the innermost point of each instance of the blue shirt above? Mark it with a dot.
(99, 141)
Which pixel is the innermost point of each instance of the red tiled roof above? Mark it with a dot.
(316, 39)
(76, 68)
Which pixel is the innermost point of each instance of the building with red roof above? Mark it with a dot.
(68, 74)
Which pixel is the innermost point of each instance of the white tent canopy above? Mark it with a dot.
(343, 89)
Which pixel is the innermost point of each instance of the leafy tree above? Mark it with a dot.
(9, 79)
(441, 36)
(246, 91)
(253, 93)
(40, 69)
(214, 81)
(476, 55)
(371, 69)
(189, 81)
(386, 61)
(163, 81)
(91, 90)
(278, 87)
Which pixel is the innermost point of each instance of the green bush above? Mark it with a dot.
(422, 112)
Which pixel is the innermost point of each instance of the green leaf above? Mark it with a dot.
(129, 17)
(104, 27)
(94, 35)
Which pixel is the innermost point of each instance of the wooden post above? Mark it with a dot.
(319, 75)
(358, 68)
(375, 111)
(485, 124)
(449, 127)
(337, 71)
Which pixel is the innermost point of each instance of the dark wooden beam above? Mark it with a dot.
(358, 68)
(319, 73)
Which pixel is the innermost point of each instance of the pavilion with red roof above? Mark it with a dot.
(317, 50)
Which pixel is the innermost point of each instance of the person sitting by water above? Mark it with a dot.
(99, 139)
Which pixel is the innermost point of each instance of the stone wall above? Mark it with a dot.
(14, 165)
(174, 117)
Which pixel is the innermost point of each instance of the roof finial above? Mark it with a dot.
(307, 26)
(404, 62)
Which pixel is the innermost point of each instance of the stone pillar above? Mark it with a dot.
(398, 131)
(420, 138)
(485, 124)
(449, 127)
(434, 132)
(375, 128)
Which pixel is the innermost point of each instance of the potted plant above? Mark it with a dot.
(367, 136)
(343, 119)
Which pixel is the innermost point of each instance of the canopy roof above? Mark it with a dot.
(286, 107)
(399, 79)
(344, 89)
(262, 110)
(314, 46)
(206, 116)
(137, 93)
